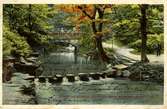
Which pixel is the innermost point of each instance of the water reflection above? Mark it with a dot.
(70, 62)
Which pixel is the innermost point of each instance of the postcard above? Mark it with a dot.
(83, 55)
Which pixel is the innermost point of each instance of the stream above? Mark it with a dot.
(68, 62)
(103, 91)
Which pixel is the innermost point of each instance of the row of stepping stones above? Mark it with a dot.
(72, 77)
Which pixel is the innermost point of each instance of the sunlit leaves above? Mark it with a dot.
(13, 42)
(85, 12)
(19, 15)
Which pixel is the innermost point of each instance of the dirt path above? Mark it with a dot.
(127, 52)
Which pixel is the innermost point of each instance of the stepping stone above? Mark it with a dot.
(83, 77)
(77, 78)
(42, 79)
(31, 78)
(59, 78)
(120, 67)
(70, 77)
(52, 80)
(95, 76)
(102, 74)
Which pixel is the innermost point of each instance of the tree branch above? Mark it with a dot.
(81, 8)
(91, 17)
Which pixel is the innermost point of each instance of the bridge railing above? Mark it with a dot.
(66, 35)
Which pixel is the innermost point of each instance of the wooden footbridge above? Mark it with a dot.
(66, 35)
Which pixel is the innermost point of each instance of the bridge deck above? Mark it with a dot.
(66, 35)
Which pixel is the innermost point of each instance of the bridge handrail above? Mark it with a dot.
(58, 33)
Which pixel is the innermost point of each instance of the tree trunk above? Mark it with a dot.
(98, 39)
(101, 52)
(99, 45)
(29, 17)
(143, 26)
(11, 25)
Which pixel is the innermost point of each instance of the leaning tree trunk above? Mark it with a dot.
(143, 26)
(98, 38)
(102, 53)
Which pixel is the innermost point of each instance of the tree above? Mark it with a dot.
(14, 44)
(143, 26)
(95, 13)
(126, 26)
(25, 26)
(30, 21)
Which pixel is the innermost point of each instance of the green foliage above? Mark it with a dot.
(114, 41)
(36, 20)
(29, 20)
(12, 42)
(86, 41)
(62, 19)
(25, 15)
(151, 41)
(25, 25)
(125, 25)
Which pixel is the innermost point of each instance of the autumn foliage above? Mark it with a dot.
(95, 14)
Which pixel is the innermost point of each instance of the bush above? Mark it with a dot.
(86, 43)
(13, 42)
(152, 40)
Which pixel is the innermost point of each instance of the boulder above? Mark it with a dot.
(26, 68)
(119, 73)
(147, 72)
(9, 59)
(38, 71)
(8, 71)
(31, 59)
(112, 73)
(8, 68)
(125, 73)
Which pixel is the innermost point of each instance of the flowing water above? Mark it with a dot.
(103, 91)
(69, 62)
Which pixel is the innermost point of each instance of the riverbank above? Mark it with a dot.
(67, 79)
(103, 91)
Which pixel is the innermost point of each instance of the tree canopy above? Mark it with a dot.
(31, 23)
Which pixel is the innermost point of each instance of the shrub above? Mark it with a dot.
(13, 42)
(152, 40)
